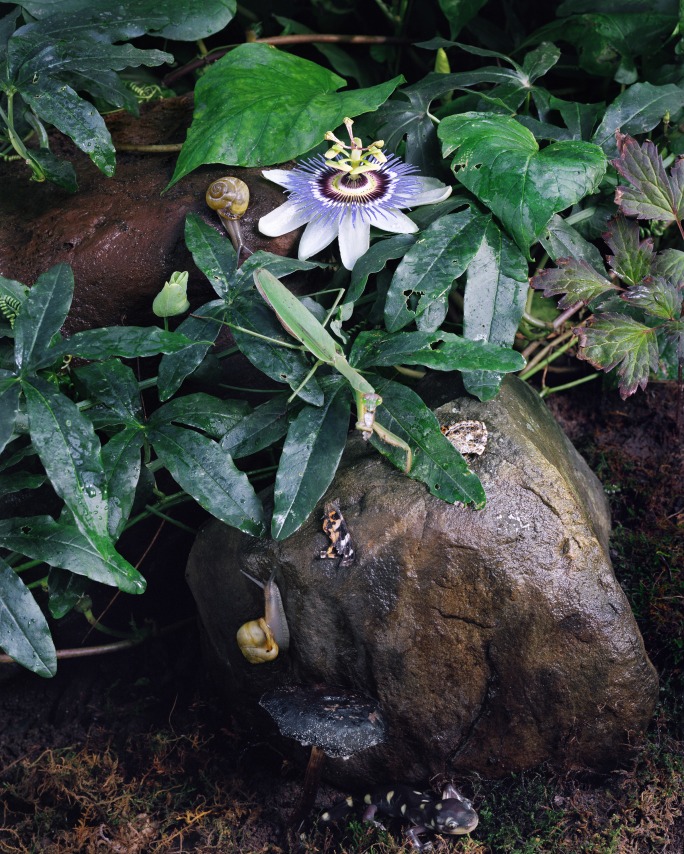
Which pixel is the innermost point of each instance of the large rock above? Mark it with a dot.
(494, 640)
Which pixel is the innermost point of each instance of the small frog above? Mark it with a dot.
(341, 547)
(468, 437)
(453, 814)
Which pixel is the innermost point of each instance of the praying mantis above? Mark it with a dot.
(301, 324)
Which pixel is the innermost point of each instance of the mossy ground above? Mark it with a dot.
(130, 753)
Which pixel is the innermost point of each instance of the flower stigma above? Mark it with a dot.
(344, 192)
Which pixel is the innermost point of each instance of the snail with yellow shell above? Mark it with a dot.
(229, 197)
(262, 639)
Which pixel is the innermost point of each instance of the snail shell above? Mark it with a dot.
(261, 640)
(229, 197)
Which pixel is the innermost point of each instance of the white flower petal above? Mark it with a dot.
(285, 218)
(279, 176)
(317, 235)
(354, 240)
(393, 220)
(431, 192)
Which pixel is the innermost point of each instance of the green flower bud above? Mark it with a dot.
(173, 297)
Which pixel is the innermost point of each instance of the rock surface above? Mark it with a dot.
(494, 640)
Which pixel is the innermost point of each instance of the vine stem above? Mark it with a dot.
(295, 38)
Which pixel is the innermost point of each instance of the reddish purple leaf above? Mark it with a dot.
(614, 340)
(577, 279)
(653, 194)
(656, 297)
(633, 258)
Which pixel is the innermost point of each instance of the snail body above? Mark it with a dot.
(261, 640)
(229, 197)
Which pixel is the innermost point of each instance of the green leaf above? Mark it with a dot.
(442, 351)
(17, 481)
(614, 340)
(494, 302)
(459, 12)
(9, 406)
(62, 544)
(122, 463)
(70, 453)
(208, 474)
(203, 330)
(633, 258)
(203, 411)
(112, 385)
(60, 172)
(42, 55)
(179, 20)
(42, 315)
(500, 162)
(311, 454)
(265, 425)
(258, 106)
(653, 194)
(280, 363)
(213, 254)
(126, 342)
(637, 110)
(656, 297)
(428, 270)
(435, 460)
(24, 632)
(578, 280)
(65, 591)
(561, 240)
(374, 261)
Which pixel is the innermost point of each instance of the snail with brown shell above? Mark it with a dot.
(229, 197)
(261, 640)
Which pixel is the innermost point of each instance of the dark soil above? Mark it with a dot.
(131, 752)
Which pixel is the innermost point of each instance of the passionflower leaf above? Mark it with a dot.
(258, 106)
(500, 161)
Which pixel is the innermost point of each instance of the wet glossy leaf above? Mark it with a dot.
(126, 342)
(42, 55)
(281, 363)
(499, 161)
(203, 330)
(258, 106)
(260, 428)
(9, 406)
(24, 632)
(494, 302)
(62, 544)
(208, 474)
(653, 194)
(70, 453)
(420, 286)
(311, 454)
(65, 591)
(213, 254)
(442, 351)
(60, 172)
(616, 341)
(632, 258)
(656, 297)
(375, 260)
(203, 411)
(435, 460)
(561, 240)
(122, 462)
(637, 110)
(114, 388)
(42, 315)
(576, 279)
(17, 481)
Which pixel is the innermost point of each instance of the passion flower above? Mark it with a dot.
(345, 192)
